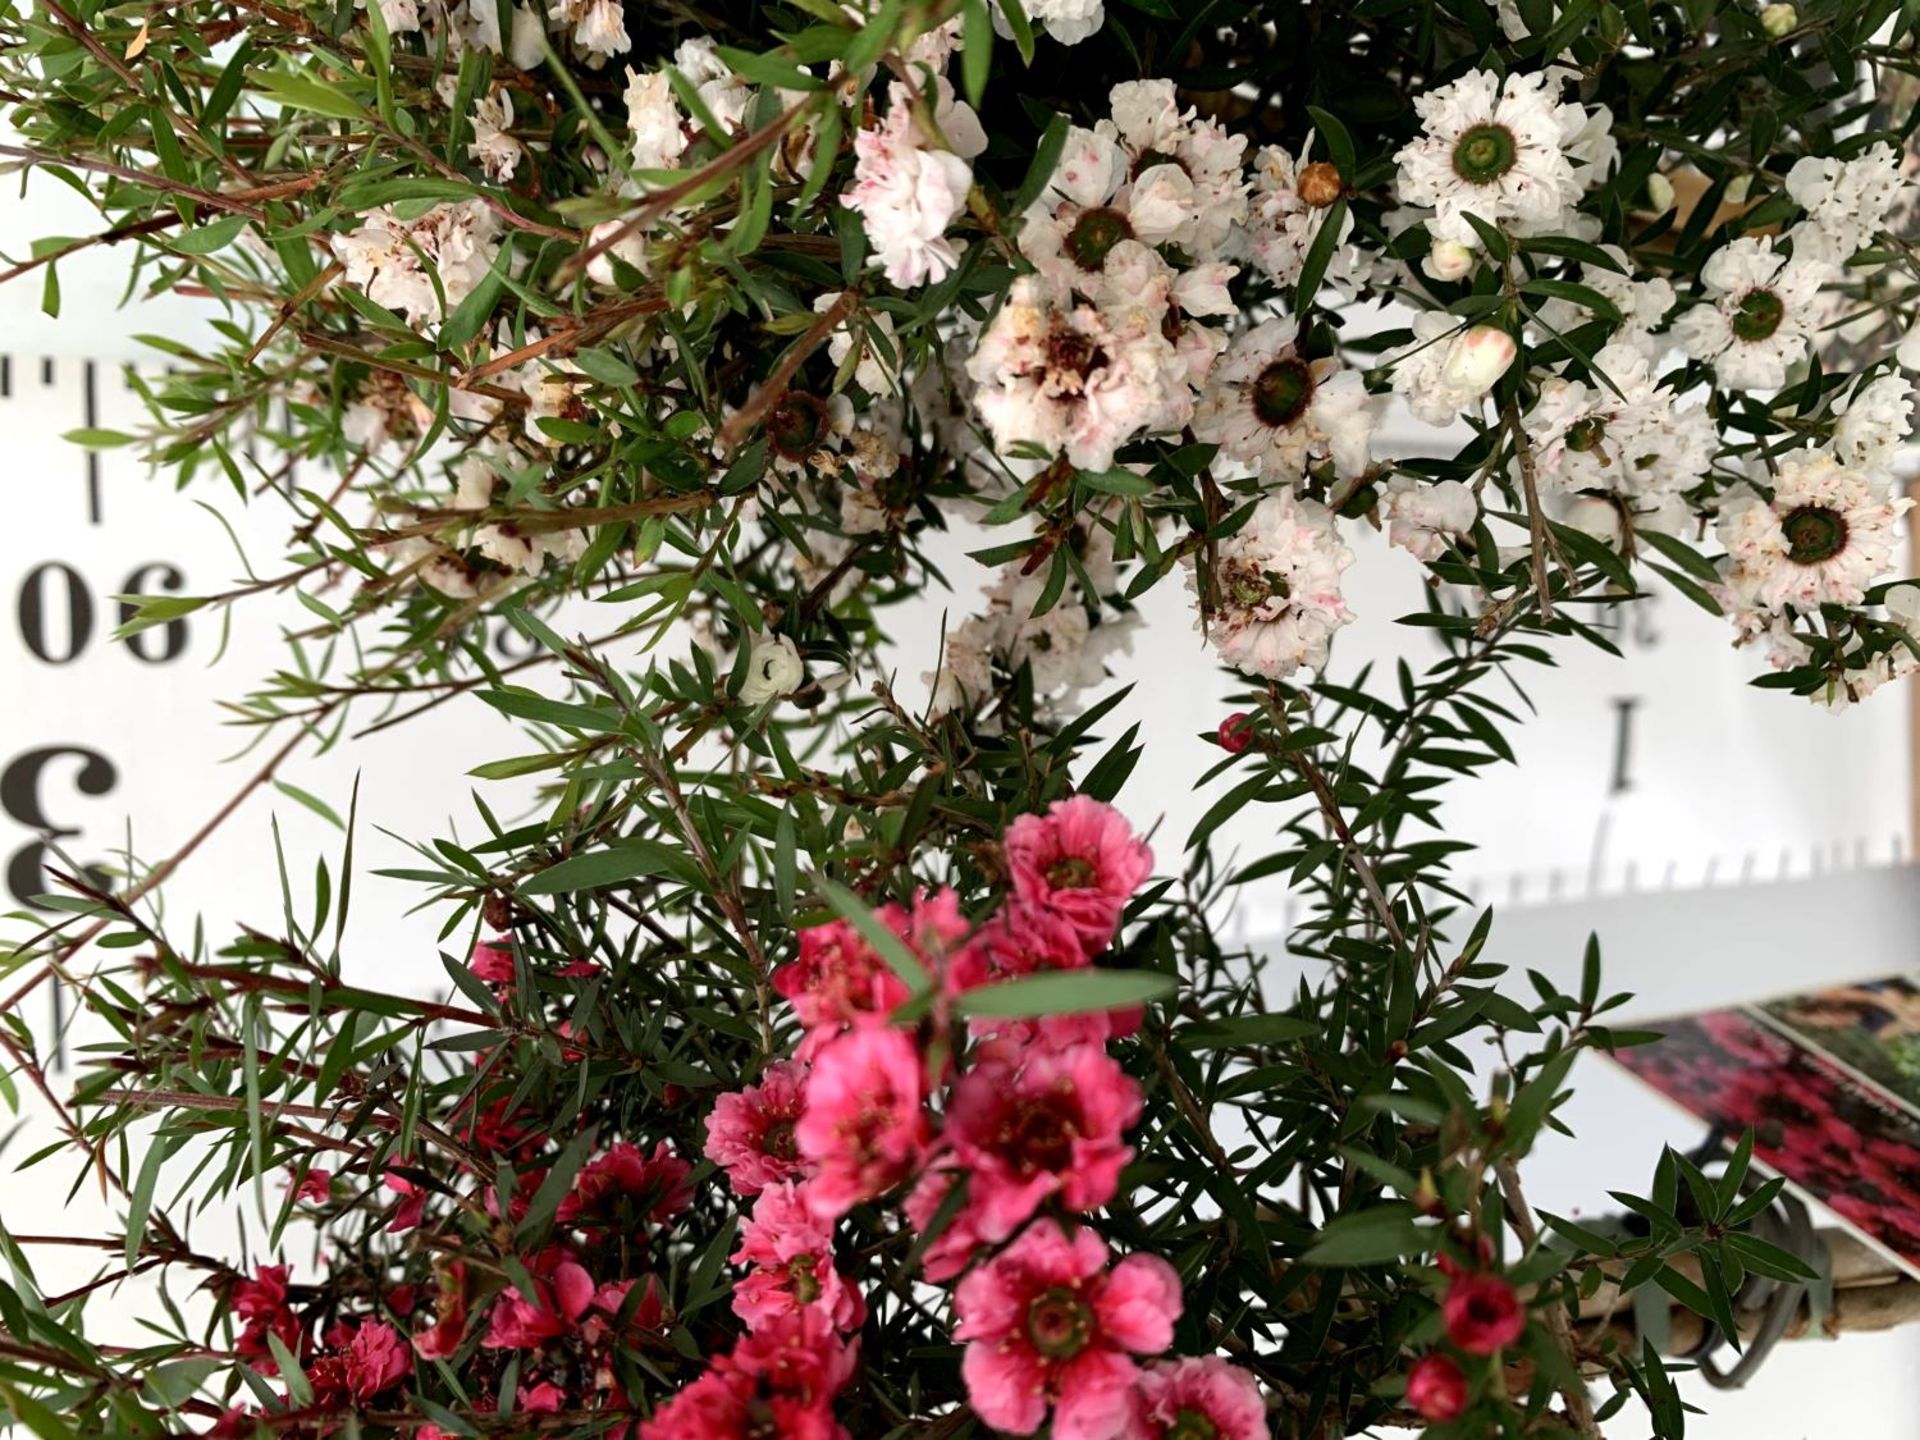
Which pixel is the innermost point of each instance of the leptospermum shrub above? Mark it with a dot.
(825, 1057)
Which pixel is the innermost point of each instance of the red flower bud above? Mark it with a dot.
(1437, 1388)
(1236, 732)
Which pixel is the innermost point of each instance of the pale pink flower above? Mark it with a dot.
(1080, 860)
(1046, 1324)
(750, 1131)
(1048, 1127)
(865, 1124)
(909, 187)
(1200, 1396)
(791, 1252)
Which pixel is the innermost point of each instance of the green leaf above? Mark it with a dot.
(891, 948)
(298, 91)
(98, 439)
(1247, 1030)
(1046, 158)
(140, 1203)
(526, 705)
(214, 235)
(634, 860)
(313, 802)
(1372, 1237)
(1066, 992)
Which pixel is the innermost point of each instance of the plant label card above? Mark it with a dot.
(1829, 1083)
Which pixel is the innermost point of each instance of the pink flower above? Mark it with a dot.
(413, 1202)
(778, 1381)
(1482, 1312)
(1022, 941)
(317, 1186)
(953, 1249)
(562, 1289)
(865, 1125)
(492, 961)
(1202, 1396)
(546, 1398)
(791, 1250)
(1080, 860)
(377, 1359)
(840, 980)
(625, 1187)
(1437, 1388)
(443, 1337)
(262, 1304)
(750, 1132)
(1047, 1324)
(1048, 1127)
(908, 192)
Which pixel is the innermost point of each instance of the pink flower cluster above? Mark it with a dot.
(1031, 1116)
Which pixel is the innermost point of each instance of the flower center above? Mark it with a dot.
(1059, 1323)
(1038, 1134)
(1585, 435)
(1190, 1424)
(796, 425)
(1758, 315)
(801, 1276)
(1250, 588)
(777, 1140)
(1319, 185)
(1071, 354)
(1094, 234)
(1484, 153)
(1282, 392)
(1072, 872)
(1814, 533)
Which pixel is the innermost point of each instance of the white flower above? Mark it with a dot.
(1499, 151)
(550, 387)
(1425, 517)
(1277, 586)
(1642, 303)
(1847, 201)
(1629, 438)
(653, 119)
(1291, 201)
(965, 676)
(719, 89)
(1761, 309)
(527, 46)
(877, 371)
(1186, 187)
(400, 16)
(630, 248)
(1442, 377)
(1907, 353)
(1068, 21)
(383, 257)
(1874, 422)
(1062, 378)
(1609, 517)
(1823, 538)
(599, 26)
(908, 192)
(774, 669)
(1779, 19)
(1270, 407)
(496, 150)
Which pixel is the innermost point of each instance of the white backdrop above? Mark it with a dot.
(104, 745)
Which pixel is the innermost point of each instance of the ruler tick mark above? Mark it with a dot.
(90, 400)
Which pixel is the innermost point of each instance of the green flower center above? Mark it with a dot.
(777, 1140)
(1484, 153)
(1192, 1425)
(1250, 588)
(1814, 533)
(1072, 872)
(1282, 392)
(797, 425)
(800, 1274)
(1585, 435)
(1095, 234)
(1059, 1323)
(1758, 315)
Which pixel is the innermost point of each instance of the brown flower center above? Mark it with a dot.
(1059, 1323)
(1814, 533)
(797, 424)
(1069, 353)
(1037, 1134)
(1282, 392)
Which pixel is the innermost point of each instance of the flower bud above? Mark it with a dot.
(1449, 260)
(1778, 20)
(1319, 185)
(1478, 358)
(1236, 733)
(1437, 1388)
(1660, 193)
(774, 669)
